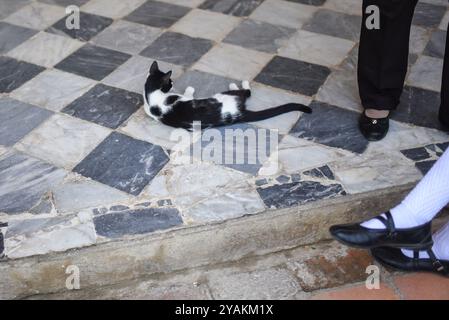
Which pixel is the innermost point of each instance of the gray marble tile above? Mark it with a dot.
(114, 9)
(78, 194)
(428, 15)
(53, 89)
(411, 108)
(183, 50)
(123, 163)
(90, 26)
(24, 180)
(260, 36)
(205, 84)
(298, 193)
(233, 62)
(283, 13)
(158, 14)
(206, 24)
(63, 141)
(437, 44)
(16, 73)
(131, 75)
(65, 3)
(35, 50)
(354, 7)
(133, 222)
(426, 73)
(36, 15)
(127, 37)
(239, 8)
(310, 2)
(18, 119)
(335, 24)
(293, 75)
(11, 36)
(106, 106)
(93, 62)
(8, 7)
(331, 126)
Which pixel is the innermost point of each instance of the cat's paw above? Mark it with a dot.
(189, 91)
(245, 85)
(233, 86)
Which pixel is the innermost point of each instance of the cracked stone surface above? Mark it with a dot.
(81, 163)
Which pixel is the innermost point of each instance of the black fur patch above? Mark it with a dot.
(156, 111)
(171, 99)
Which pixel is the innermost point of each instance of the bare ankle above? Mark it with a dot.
(377, 114)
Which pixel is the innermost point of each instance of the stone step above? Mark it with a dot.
(191, 247)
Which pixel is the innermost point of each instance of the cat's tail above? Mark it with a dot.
(251, 116)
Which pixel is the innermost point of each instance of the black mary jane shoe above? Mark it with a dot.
(373, 129)
(394, 258)
(355, 235)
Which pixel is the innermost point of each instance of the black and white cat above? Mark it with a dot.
(180, 111)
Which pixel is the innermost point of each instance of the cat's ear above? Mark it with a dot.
(154, 68)
(167, 76)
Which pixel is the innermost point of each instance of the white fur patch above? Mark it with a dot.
(245, 85)
(229, 104)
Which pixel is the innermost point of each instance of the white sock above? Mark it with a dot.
(440, 246)
(425, 201)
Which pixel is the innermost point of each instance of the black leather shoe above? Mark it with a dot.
(355, 235)
(374, 129)
(394, 258)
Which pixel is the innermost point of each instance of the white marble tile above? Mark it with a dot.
(206, 24)
(233, 62)
(284, 13)
(80, 193)
(185, 3)
(317, 48)
(402, 136)
(53, 89)
(345, 6)
(125, 36)
(419, 37)
(132, 74)
(37, 15)
(142, 127)
(426, 73)
(63, 140)
(36, 50)
(375, 171)
(44, 235)
(264, 97)
(111, 8)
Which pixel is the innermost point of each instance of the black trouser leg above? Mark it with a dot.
(383, 55)
(444, 109)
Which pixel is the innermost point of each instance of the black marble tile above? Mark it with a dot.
(437, 44)
(177, 48)
(310, 2)
(133, 222)
(428, 15)
(261, 182)
(14, 73)
(12, 36)
(293, 75)
(90, 26)
(106, 106)
(335, 24)
(93, 62)
(419, 107)
(296, 177)
(158, 14)
(443, 146)
(123, 163)
(425, 166)
(18, 119)
(297, 193)
(416, 154)
(331, 126)
(322, 172)
(238, 8)
(283, 179)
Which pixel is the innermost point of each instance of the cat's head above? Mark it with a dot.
(158, 80)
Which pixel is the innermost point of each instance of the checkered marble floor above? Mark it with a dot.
(80, 162)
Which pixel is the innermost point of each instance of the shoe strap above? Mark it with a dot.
(439, 267)
(388, 222)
